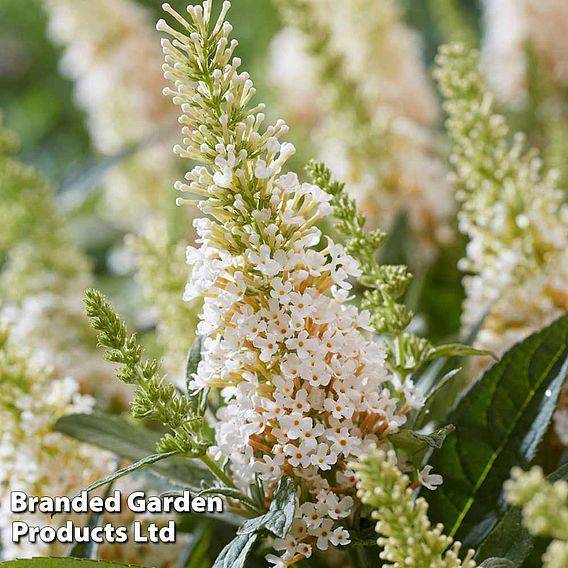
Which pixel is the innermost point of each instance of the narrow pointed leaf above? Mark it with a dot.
(197, 553)
(89, 549)
(133, 442)
(416, 446)
(235, 554)
(280, 515)
(497, 563)
(198, 399)
(435, 396)
(228, 492)
(124, 471)
(457, 350)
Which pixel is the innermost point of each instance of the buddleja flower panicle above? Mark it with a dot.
(372, 117)
(110, 47)
(302, 384)
(512, 211)
(35, 458)
(43, 275)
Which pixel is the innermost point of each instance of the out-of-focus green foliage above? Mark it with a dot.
(38, 101)
(35, 99)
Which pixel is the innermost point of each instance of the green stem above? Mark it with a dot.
(357, 555)
(217, 471)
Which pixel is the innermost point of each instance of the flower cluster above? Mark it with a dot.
(39, 461)
(111, 53)
(545, 511)
(407, 536)
(107, 43)
(513, 213)
(43, 277)
(304, 387)
(34, 458)
(359, 64)
(504, 44)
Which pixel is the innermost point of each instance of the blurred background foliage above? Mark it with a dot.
(37, 104)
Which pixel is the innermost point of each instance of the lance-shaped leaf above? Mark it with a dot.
(280, 515)
(499, 424)
(456, 350)
(416, 446)
(124, 471)
(197, 553)
(235, 554)
(437, 395)
(277, 521)
(90, 549)
(198, 399)
(133, 442)
(497, 563)
(230, 492)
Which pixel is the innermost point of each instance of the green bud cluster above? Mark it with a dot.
(155, 398)
(386, 284)
(407, 537)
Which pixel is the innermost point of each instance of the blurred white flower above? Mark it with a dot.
(112, 53)
(359, 84)
(512, 27)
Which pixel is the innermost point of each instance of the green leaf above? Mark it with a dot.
(132, 442)
(234, 555)
(280, 515)
(497, 563)
(428, 378)
(198, 399)
(436, 394)
(499, 424)
(366, 537)
(194, 358)
(396, 245)
(257, 490)
(416, 445)
(456, 350)
(510, 539)
(186, 523)
(197, 554)
(89, 549)
(124, 471)
(51, 562)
